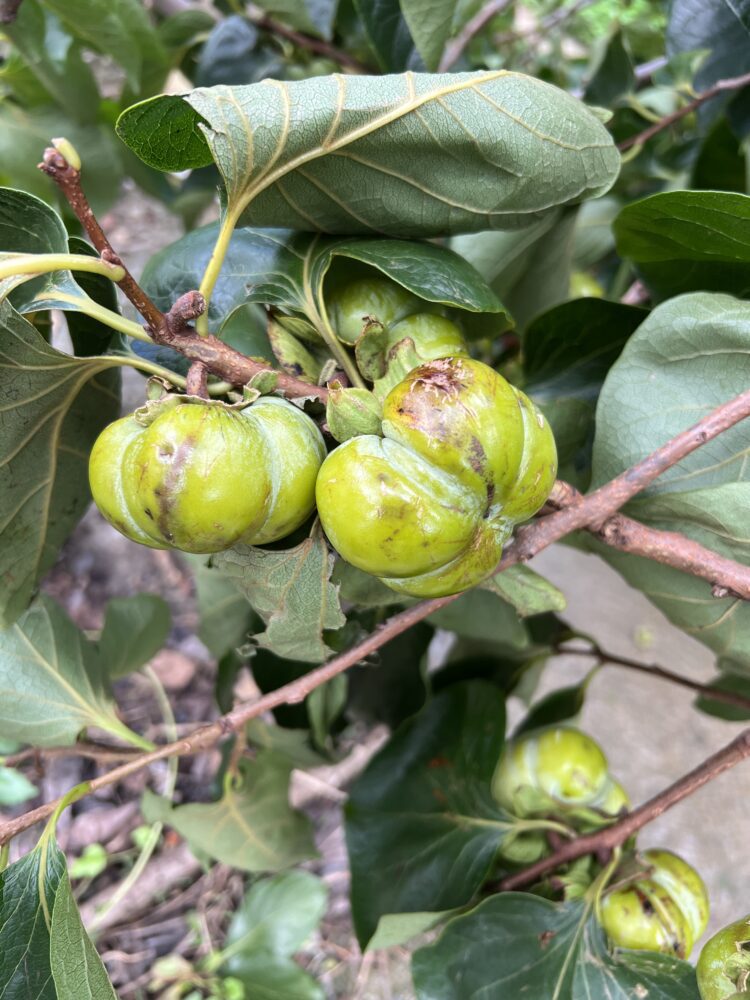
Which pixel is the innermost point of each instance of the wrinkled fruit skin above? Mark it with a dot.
(428, 507)
(666, 910)
(433, 336)
(724, 965)
(202, 477)
(552, 770)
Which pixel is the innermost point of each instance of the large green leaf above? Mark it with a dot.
(421, 826)
(567, 353)
(393, 687)
(251, 827)
(53, 408)
(388, 35)
(291, 590)
(77, 969)
(27, 898)
(683, 241)
(538, 948)
(135, 629)
(430, 23)
(689, 356)
(301, 154)
(226, 619)
(52, 680)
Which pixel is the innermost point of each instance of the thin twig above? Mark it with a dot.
(9, 10)
(721, 86)
(206, 737)
(95, 751)
(303, 41)
(454, 50)
(613, 836)
(604, 658)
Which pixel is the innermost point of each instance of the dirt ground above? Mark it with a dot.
(648, 728)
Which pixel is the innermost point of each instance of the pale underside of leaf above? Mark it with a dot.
(413, 154)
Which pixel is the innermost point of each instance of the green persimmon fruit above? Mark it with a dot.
(378, 299)
(724, 965)
(556, 767)
(201, 476)
(428, 507)
(433, 336)
(666, 910)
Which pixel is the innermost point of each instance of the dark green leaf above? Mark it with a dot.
(689, 356)
(231, 54)
(291, 590)
(722, 28)
(545, 950)
(422, 828)
(27, 898)
(511, 147)
(54, 408)
(568, 351)
(52, 682)
(482, 614)
(252, 826)
(558, 706)
(593, 236)
(388, 35)
(685, 241)
(324, 706)
(430, 23)
(135, 629)
(393, 688)
(77, 970)
(613, 76)
(721, 164)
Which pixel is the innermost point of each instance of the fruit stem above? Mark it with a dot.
(213, 268)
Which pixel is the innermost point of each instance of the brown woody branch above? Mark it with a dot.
(9, 10)
(722, 86)
(727, 577)
(304, 41)
(171, 329)
(605, 658)
(207, 736)
(613, 836)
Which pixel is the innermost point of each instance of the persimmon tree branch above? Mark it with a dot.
(304, 41)
(172, 329)
(604, 658)
(613, 836)
(727, 577)
(720, 87)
